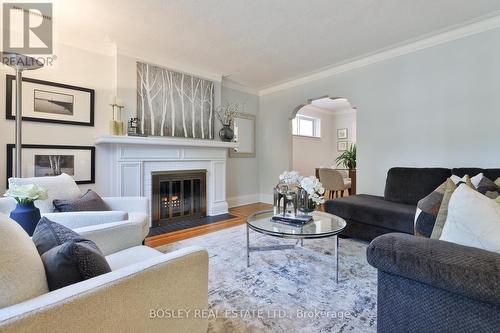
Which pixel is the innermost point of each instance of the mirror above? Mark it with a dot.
(244, 134)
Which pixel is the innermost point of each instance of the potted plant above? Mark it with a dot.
(348, 158)
(226, 115)
(25, 213)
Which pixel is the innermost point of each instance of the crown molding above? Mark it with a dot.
(228, 83)
(409, 47)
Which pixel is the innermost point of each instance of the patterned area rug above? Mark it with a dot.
(290, 290)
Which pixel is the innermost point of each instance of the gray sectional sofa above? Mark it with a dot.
(429, 285)
(424, 285)
(369, 216)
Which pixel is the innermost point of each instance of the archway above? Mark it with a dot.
(319, 131)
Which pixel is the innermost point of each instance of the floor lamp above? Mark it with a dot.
(20, 63)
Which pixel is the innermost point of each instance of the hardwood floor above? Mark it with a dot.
(241, 214)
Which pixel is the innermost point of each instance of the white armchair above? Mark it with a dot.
(125, 226)
(142, 285)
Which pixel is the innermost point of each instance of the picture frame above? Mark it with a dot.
(51, 102)
(342, 145)
(52, 160)
(342, 133)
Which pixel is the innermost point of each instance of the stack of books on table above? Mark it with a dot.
(297, 221)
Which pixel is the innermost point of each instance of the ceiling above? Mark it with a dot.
(260, 43)
(333, 105)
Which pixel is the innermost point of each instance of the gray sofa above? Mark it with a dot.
(369, 216)
(427, 285)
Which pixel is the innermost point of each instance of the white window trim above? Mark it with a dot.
(316, 127)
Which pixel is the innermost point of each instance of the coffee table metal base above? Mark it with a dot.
(288, 247)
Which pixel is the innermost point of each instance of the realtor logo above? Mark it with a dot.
(27, 28)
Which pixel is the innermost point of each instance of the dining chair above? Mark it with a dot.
(334, 182)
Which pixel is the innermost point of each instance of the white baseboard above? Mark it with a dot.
(243, 200)
(266, 198)
(219, 208)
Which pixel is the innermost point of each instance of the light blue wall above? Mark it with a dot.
(242, 173)
(435, 107)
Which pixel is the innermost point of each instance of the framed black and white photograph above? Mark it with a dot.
(174, 104)
(342, 133)
(341, 145)
(53, 160)
(51, 102)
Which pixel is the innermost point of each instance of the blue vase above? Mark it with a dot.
(27, 215)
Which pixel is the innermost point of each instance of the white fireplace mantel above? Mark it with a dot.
(133, 159)
(163, 141)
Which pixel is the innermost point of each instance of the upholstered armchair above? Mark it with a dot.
(133, 297)
(124, 226)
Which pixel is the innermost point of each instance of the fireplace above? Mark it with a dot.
(178, 195)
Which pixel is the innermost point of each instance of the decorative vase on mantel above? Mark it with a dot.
(226, 133)
(27, 215)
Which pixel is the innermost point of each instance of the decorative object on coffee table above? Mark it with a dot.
(296, 193)
(25, 213)
(226, 114)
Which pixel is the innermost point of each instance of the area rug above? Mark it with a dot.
(290, 290)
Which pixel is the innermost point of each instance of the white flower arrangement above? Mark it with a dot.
(290, 178)
(314, 189)
(25, 194)
(310, 184)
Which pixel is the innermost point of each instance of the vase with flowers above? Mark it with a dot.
(226, 114)
(304, 193)
(25, 213)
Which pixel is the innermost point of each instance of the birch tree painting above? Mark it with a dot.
(174, 104)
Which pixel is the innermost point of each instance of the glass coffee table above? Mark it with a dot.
(324, 225)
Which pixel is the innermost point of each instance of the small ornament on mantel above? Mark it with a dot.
(133, 127)
(116, 124)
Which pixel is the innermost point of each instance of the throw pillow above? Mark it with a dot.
(22, 275)
(474, 181)
(49, 234)
(90, 201)
(473, 220)
(487, 187)
(497, 182)
(67, 257)
(427, 210)
(443, 210)
(72, 262)
(428, 207)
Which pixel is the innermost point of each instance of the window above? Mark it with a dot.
(306, 126)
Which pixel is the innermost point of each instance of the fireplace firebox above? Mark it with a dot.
(178, 195)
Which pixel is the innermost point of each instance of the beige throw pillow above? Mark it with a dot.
(497, 182)
(23, 275)
(443, 210)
